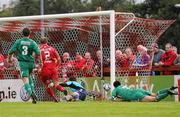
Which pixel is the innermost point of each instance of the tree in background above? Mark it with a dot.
(26, 8)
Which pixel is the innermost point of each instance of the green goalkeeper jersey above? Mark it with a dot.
(128, 94)
(25, 48)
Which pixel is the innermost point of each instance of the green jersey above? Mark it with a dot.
(25, 48)
(128, 94)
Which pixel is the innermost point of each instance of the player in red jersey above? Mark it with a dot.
(51, 60)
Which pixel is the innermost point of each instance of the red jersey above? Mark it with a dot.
(88, 68)
(79, 64)
(1, 61)
(168, 58)
(49, 55)
(88, 64)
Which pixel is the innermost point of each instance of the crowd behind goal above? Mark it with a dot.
(88, 66)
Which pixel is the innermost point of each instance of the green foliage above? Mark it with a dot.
(26, 8)
(6, 13)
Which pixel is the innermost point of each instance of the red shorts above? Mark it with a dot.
(49, 74)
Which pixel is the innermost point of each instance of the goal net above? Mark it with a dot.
(81, 35)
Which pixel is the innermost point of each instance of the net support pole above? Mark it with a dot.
(101, 45)
(112, 48)
(42, 13)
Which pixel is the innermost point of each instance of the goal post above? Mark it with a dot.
(73, 33)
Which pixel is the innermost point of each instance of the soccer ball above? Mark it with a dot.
(106, 86)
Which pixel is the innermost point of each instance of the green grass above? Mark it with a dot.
(90, 109)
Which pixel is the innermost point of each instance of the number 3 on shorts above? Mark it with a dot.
(25, 50)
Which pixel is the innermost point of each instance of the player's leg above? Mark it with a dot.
(56, 82)
(161, 94)
(149, 99)
(162, 91)
(31, 67)
(44, 76)
(26, 85)
(50, 91)
(140, 95)
(82, 94)
(25, 74)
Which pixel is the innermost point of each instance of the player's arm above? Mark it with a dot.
(58, 59)
(38, 53)
(63, 84)
(12, 50)
(114, 96)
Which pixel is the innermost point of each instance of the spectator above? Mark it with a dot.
(1, 66)
(97, 65)
(121, 60)
(167, 59)
(79, 62)
(157, 53)
(13, 66)
(2, 59)
(174, 49)
(88, 66)
(143, 59)
(67, 66)
(129, 56)
(105, 60)
(177, 60)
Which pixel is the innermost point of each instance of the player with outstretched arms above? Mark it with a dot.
(127, 94)
(25, 47)
(78, 91)
(51, 61)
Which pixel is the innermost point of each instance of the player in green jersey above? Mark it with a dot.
(25, 47)
(126, 94)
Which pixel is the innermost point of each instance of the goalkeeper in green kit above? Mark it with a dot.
(122, 93)
(25, 48)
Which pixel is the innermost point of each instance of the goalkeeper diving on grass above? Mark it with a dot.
(78, 91)
(122, 93)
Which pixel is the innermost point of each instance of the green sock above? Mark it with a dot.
(31, 83)
(161, 96)
(163, 91)
(28, 88)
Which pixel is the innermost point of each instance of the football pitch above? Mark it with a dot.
(90, 109)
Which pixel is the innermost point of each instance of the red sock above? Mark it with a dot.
(51, 92)
(60, 88)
